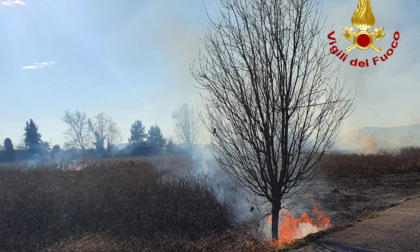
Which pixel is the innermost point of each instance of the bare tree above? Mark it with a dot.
(271, 94)
(105, 131)
(77, 134)
(187, 125)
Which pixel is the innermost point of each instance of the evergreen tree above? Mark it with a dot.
(55, 152)
(138, 135)
(155, 140)
(10, 155)
(170, 148)
(32, 137)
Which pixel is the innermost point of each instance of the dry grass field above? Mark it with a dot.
(117, 205)
(132, 205)
(371, 165)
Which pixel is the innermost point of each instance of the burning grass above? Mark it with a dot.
(129, 205)
(122, 202)
(292, 227)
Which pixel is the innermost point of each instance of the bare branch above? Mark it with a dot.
(271, 94)
(77, 133)
(187, 125)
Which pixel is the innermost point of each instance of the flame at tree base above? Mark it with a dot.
(292, 228)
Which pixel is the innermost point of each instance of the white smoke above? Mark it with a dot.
(206, 168)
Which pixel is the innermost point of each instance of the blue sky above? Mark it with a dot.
(131, 59)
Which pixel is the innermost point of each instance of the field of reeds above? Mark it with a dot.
(113, 205)
(135, 205)
(371, 165)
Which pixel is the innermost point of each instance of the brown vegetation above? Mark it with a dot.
(120, 200)
(371, 165)
(137, 205)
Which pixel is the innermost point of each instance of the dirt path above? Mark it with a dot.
(395, 229)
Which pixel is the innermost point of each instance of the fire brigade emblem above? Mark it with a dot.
(363, 19)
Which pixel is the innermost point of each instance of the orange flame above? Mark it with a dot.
(322, 221)
(363, 17)
(292, 228)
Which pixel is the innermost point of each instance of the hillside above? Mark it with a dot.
(372, 139)
(395, 137)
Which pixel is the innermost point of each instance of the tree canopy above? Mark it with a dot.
(138, 134)
(32, 138)
(156, 140)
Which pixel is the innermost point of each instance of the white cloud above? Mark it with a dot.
(12, 2)
(36, 66)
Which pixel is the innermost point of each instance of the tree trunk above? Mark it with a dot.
(275, 221)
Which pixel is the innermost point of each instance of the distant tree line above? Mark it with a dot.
(98, 137)
(34, 147)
